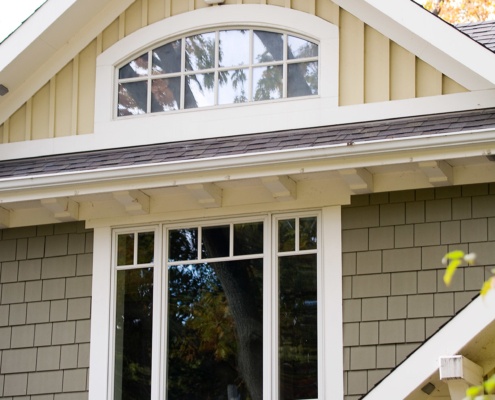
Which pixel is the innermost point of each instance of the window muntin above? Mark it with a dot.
(219, 299)
(216, 68)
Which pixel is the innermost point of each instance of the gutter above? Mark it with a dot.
(361, 154)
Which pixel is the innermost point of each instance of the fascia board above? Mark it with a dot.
(424, 362)
(31, 31)
(328, 158)
(431, 39)
(25, 70)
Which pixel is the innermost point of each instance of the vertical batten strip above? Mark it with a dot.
(144, 13)
(288, 4)
(192, 6)
(99, 44)
(29, 117)
(122, 26)
(6, 131)
(75, 95)
(51, 118)
(168, 8)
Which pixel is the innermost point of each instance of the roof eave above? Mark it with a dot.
(306, 160)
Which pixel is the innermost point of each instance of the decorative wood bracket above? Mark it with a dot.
(4, 218)
(282, 188)
(208, 195)
(439, 173)
(135, 202)
(360, 180)
(459, 373)
(63, 209)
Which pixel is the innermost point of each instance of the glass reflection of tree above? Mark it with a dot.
(215, 321)
(302, 78)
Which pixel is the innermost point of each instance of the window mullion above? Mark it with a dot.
(157, 342)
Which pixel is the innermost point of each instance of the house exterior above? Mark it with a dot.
(244, 200)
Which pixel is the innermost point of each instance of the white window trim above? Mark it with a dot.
(330, 341)
(221, 120)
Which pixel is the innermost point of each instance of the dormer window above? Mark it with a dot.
(219, 67)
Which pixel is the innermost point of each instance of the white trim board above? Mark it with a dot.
(424, 362)
(428, 37)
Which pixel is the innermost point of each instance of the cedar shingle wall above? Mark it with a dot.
(45, 301)
(394, 295)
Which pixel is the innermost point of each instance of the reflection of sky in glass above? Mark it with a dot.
(234, 48)
(200, 51)
(236, 89)
(300, 48)
(203, 96)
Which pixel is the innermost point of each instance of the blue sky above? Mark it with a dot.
(14, 12)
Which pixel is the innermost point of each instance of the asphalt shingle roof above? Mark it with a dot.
(482, 32)
(248, 144)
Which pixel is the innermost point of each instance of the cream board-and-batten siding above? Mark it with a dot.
(372, 69)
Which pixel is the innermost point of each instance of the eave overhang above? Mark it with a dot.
(365, 154)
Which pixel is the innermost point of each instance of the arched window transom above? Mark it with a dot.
(219, 67)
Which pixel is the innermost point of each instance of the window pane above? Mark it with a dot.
(300, 48)
(215, 330)
(166, 59)
(234, 48)
(302, 79)
(307, 233)
(298, 327)
(216, 241)
(183, 245)
(267, 82)
(248, 238)
(137, 67)
(165, 94)
(233, 87)
(200, 51)
(268, 46)
(132, 98)
(133, 329)
(125, 249)
(287, 235)
(199, 90)
(146, 247)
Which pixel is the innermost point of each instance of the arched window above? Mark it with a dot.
(218, 68)
(217, 71)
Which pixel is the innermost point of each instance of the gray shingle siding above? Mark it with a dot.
(44, 311)
(394, 296)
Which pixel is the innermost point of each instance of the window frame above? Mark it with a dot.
(184, 73)
(330, 362)
(270, 257)
(222, 120)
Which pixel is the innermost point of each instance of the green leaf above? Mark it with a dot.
(489, 385)
(487, 285)
(473, 391)
(456, 254)
(449, 272)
